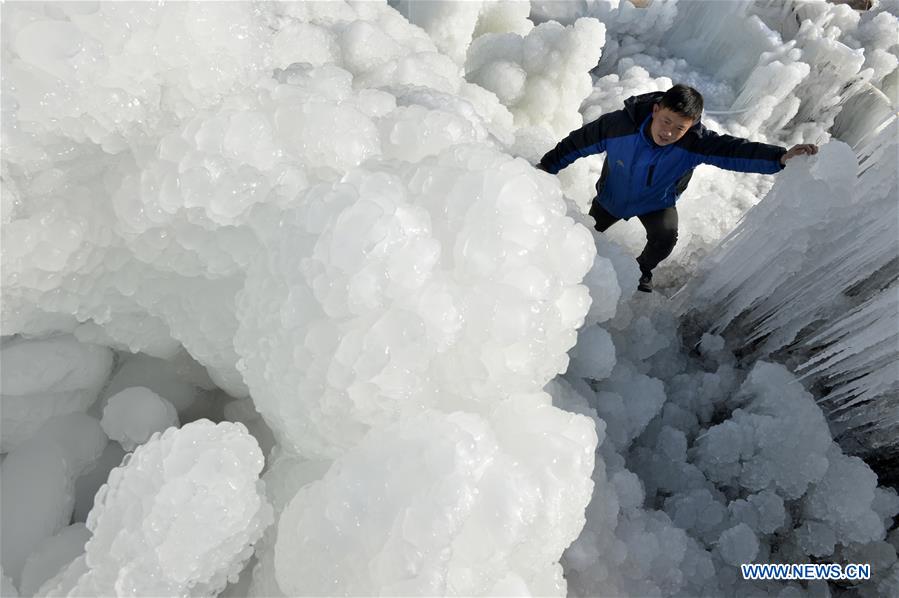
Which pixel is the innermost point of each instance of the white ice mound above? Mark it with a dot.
(777, 438)
(448, 284)
(178, 518)
(134, 414)
(440, 504)
(542, 77)
(41, 379)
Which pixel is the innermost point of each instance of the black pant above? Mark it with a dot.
(661, 233)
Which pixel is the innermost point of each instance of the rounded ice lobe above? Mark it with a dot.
(539, 75)
(134, 414)
(37, 483)
(53, 555)
(738, 545)
(778, 438)
(443, 501)
(41, 379)
(179, 517)
(446, 284)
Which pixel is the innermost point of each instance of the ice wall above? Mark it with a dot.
(326, 216)
(810, 275)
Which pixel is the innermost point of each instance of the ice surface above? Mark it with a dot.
(449, 24)
(45, 378)
(93, 478)
(52, 555)
(427, 291)
(178, 380)
(37, 484)
(776, 439)
(6, 586)
(319, 204)
(442, 503)
(738, 545)
(827, 278)
(179, 517)
(542, 76)
(134, 414)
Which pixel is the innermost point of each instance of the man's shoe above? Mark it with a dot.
(645, 283)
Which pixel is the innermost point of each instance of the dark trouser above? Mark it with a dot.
(661, 233)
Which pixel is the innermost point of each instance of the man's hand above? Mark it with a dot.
(804, 149)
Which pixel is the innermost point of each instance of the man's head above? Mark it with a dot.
(676, 112)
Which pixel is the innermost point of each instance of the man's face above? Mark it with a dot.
(668, 127)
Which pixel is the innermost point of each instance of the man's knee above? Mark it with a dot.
(665, 236)
(661, 228)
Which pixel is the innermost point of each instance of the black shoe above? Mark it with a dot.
(645, 283)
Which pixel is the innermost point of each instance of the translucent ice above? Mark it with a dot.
(441, 502)
(828, 229)
(45, 378)
(183, 514)
(132, 415)
(52, 555)
(37, 483)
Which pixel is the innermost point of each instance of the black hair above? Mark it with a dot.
(684, 100)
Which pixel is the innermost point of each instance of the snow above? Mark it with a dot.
(318, 224)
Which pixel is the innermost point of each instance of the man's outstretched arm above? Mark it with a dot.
(736, 153)
(586, 141)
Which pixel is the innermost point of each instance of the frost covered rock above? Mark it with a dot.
(41, 379)
(179, 517)
(134, 414)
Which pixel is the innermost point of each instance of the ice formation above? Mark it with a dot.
(830, 298)
(132, 415)
(38, 479)
(319, 220)
(52, 555)
(179, 517)
(41, 379)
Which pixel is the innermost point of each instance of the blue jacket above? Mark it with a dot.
(640, 176)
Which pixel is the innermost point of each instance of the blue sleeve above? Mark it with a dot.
(736, 153)
(586, 141)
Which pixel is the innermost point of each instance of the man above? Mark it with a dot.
(652, 147)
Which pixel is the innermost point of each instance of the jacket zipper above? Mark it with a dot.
(649, 176)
